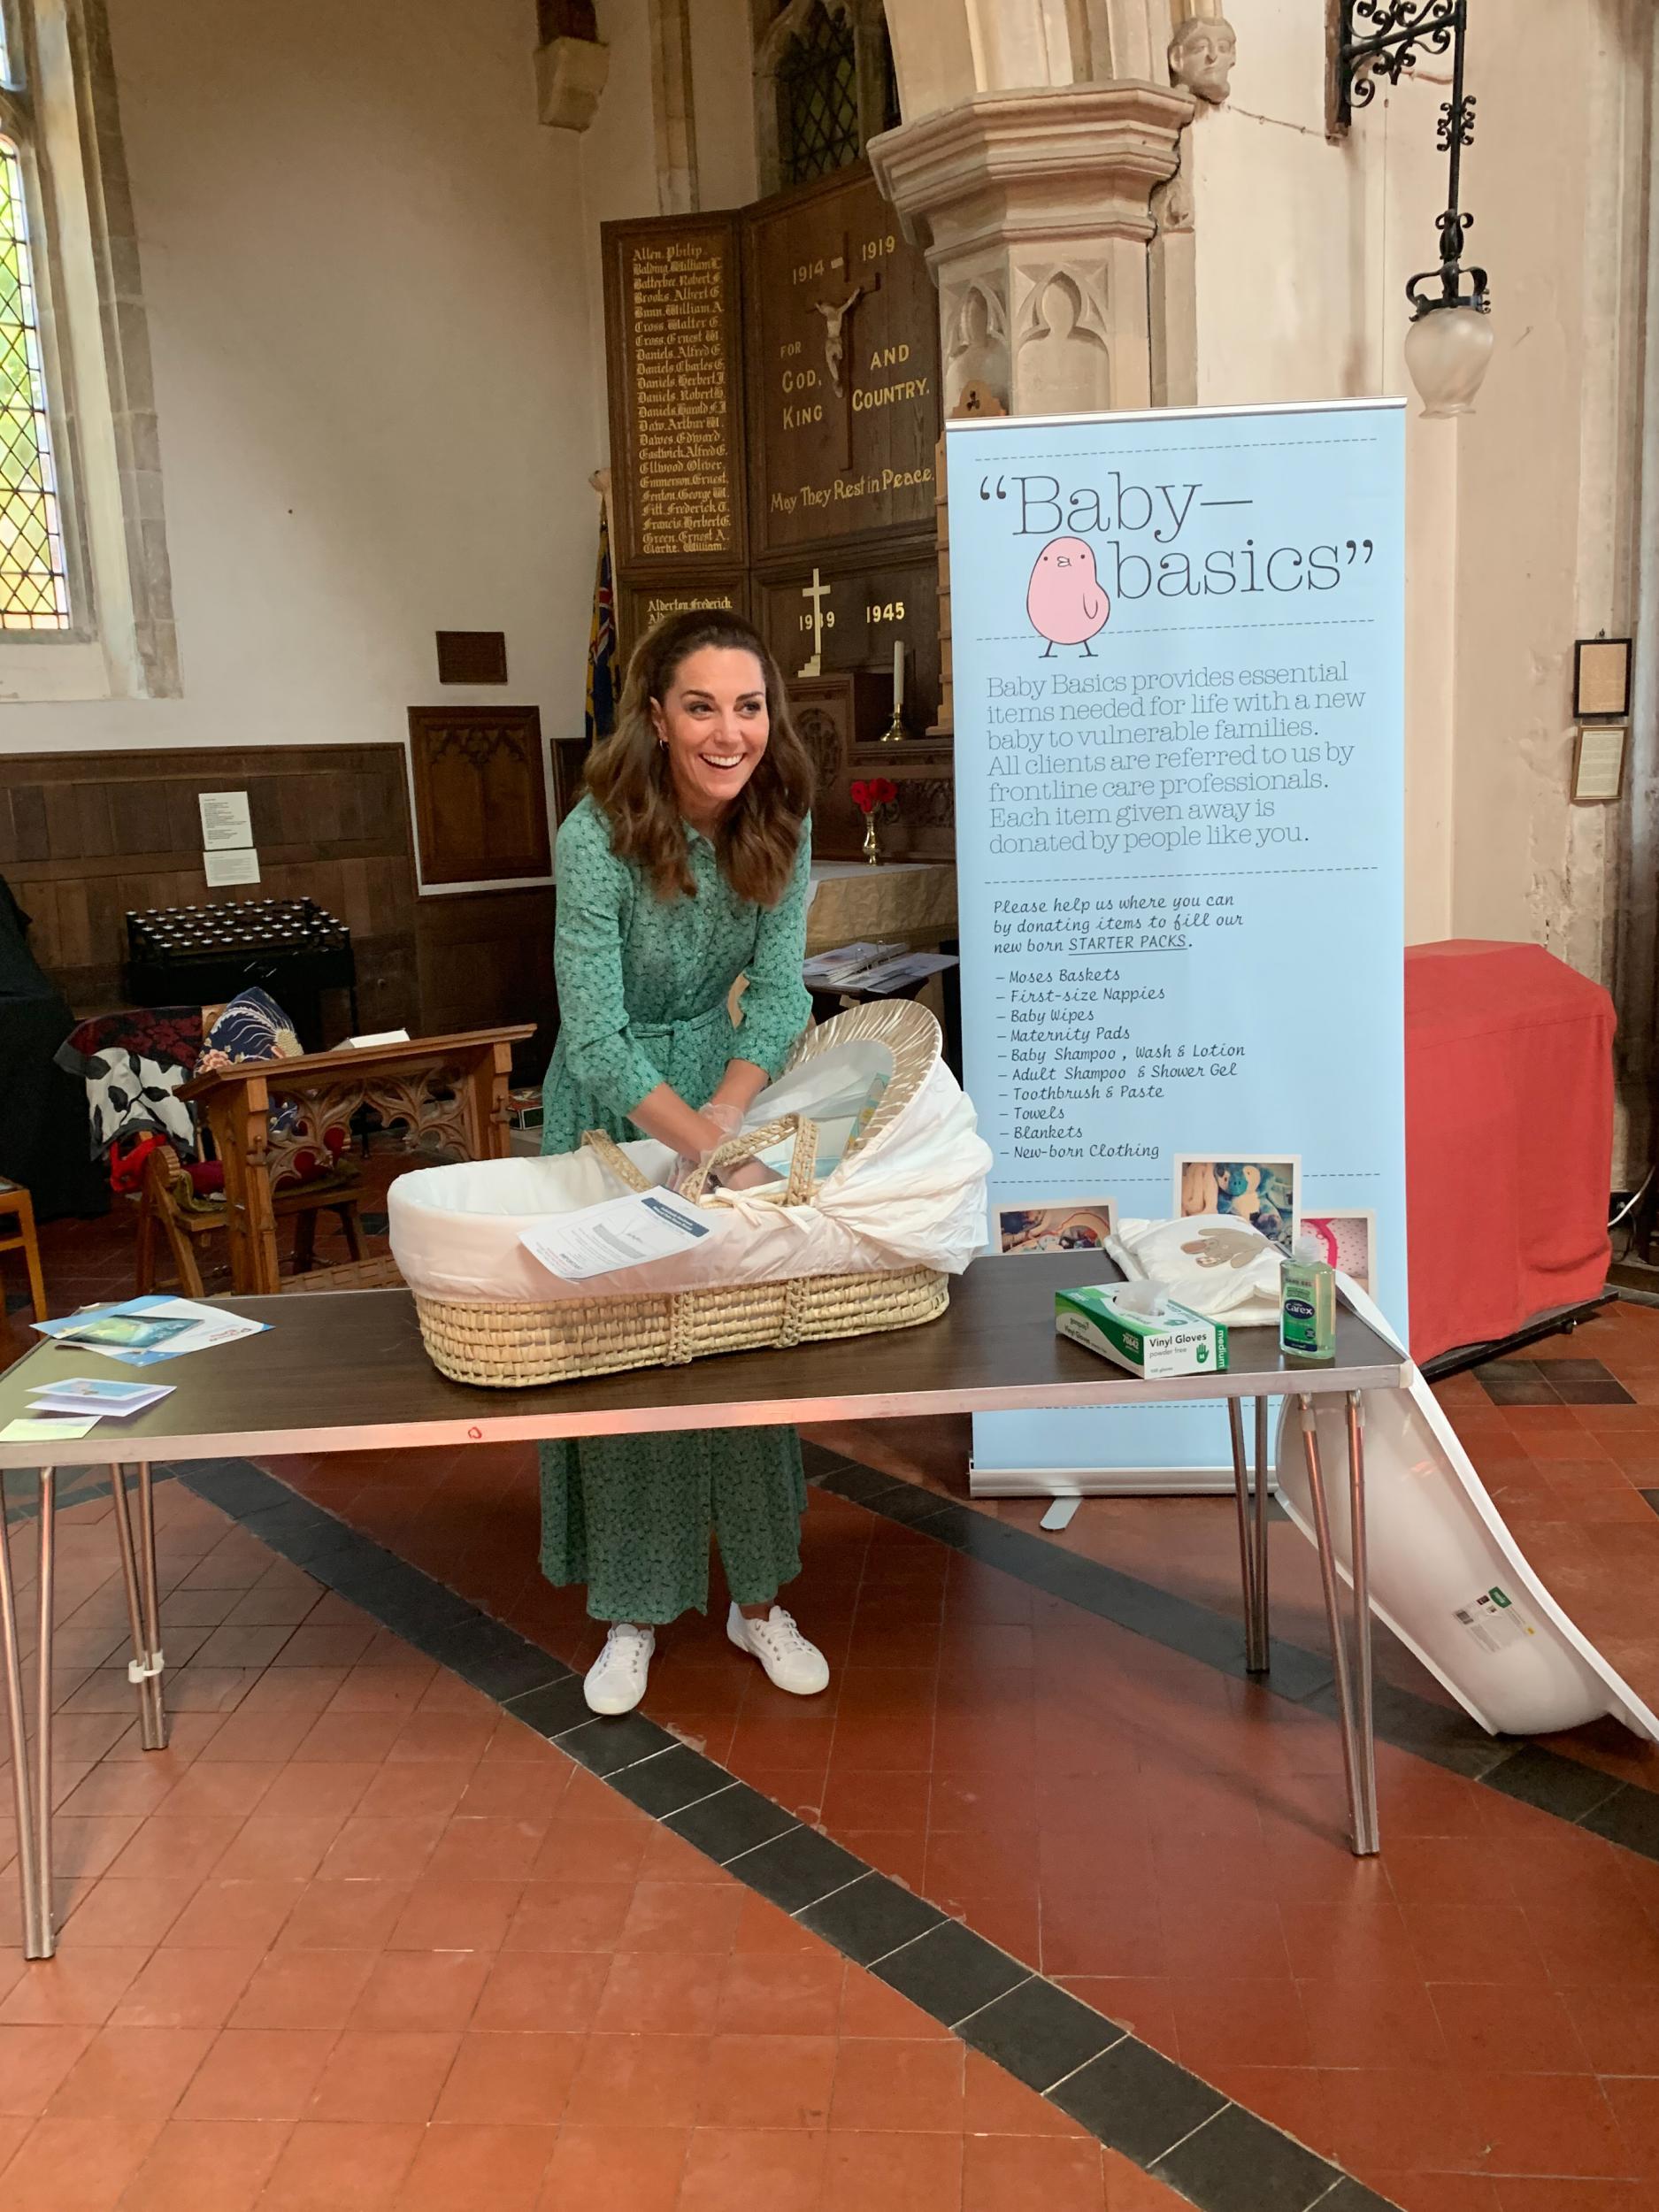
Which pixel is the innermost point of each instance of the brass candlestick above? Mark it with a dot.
(896, 732)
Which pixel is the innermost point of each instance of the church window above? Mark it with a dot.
(34, 574)
(824, 87)
(86, 592)
(818, 99)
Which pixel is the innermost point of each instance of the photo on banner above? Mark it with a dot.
(1178, 643)
(1348, 1242)
(1075, 1225)
(1261, 1192)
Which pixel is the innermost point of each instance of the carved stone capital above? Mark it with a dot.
(569, 75)
(1070, 161)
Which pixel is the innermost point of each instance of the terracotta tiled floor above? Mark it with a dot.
(1470, 2021)
(357, 1939)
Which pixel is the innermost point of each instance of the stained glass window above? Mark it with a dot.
(818, 99)
(34, 578)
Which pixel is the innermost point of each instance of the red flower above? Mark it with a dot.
(878, 792)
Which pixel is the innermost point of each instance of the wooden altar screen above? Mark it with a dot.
(774, 413)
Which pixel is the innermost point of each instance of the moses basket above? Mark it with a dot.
(881, 1201)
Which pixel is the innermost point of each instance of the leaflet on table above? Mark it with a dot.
(45, 1431)
(198, 1327)
(97, 1395)
(619, 1232)
(844, 961)
(906, 967)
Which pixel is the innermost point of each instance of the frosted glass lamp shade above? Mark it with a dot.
(1447, 352)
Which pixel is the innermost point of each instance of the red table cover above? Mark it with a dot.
(1509, 1139)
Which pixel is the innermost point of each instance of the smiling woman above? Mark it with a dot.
(684, 867)
(704, 742)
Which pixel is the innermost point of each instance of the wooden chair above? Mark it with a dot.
(172, 1209)
(16, 1203)
(446, 1092)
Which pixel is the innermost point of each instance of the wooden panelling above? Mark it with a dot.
(84, 837)
(486, 958)
(480, 794)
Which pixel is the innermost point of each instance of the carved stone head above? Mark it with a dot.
(1202, 55)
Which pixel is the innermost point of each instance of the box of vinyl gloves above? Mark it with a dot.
(1141, 1330)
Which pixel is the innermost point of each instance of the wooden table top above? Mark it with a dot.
(347, 1371)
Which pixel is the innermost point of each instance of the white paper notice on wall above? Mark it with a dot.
(226, 823)
(242, 866)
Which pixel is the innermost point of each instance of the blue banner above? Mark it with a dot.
(1178, 644)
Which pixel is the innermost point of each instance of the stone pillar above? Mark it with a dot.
(1035, 211)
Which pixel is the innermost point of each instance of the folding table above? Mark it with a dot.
(347, 1372)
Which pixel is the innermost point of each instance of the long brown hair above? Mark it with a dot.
(629, 776)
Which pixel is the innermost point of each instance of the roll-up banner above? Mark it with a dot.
(1178, 644)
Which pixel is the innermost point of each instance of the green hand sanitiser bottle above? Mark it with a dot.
(1307, 1305)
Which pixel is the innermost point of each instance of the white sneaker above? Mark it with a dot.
(615, 1683)
(790, 1662)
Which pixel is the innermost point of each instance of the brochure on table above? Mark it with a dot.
(1177, 645)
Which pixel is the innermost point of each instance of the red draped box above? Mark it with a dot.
(1509, 1139)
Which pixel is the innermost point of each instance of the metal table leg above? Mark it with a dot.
(1367, 1834)
(141, 1670)
(1263, 1479)
(1254, 1642)
(37, 1935)
(32, 1790)
(1354, 1716)
(152, 1610)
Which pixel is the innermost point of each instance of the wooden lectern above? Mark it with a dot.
(450, 1091)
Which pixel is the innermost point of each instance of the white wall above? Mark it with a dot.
(618, 177)
(1304, 249)
(722, 63)
(1517, 516)
(377, 379)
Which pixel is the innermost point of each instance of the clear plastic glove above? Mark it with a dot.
(727, 1120)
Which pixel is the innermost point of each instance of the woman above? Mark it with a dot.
(683, 867)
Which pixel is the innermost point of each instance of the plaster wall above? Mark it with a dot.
(722, 62)
(371, 319)
(618, 180)
(1300, 281)
(1545, 540)
(1519, 517)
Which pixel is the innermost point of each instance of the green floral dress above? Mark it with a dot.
(643, 983)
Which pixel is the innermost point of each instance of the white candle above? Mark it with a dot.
(898, 673)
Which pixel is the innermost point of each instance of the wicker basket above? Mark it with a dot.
(510, 1345)
(505, 1346)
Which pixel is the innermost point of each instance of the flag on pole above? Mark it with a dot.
(601, 644)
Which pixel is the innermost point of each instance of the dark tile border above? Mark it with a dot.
(1551, 1382)
(1582, 1795)
(1128, 2095)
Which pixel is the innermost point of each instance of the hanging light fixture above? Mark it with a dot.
(1448, 344)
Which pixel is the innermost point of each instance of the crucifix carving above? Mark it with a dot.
(817, 592)
(835, 342)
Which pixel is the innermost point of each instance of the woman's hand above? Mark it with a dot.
(749, 1175)
(726, 1115)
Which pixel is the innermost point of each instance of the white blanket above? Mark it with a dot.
(913, 1196)
(1214, 1264)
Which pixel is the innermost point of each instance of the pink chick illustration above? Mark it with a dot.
(1065, 600)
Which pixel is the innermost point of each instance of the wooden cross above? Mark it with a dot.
(817, 592)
